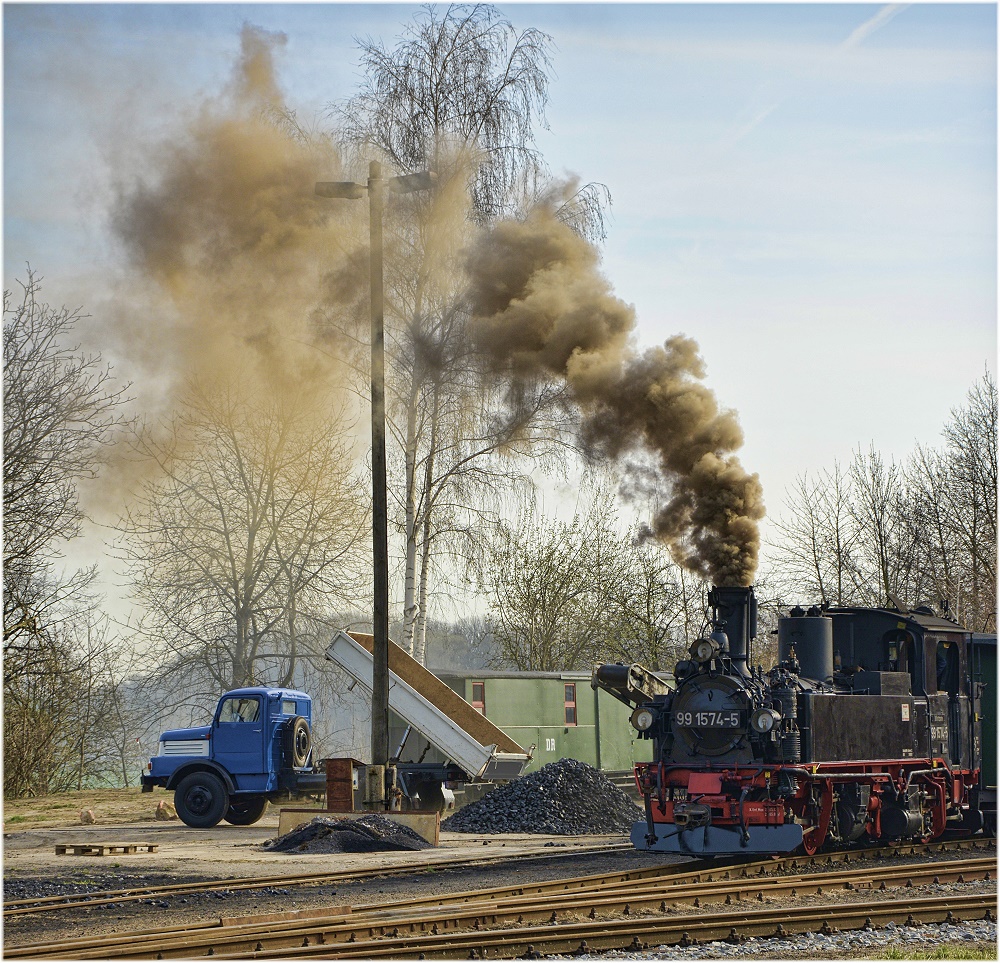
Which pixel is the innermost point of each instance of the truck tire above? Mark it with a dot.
(245, 810)
(298, 742)
(201, 800)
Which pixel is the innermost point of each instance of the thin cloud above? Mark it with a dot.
(856, 37)
(862, 33)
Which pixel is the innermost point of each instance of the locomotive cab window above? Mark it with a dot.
(946, 665)
(570, 703)
(901, 657)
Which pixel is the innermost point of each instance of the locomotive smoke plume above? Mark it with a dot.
(228, 241)
(541, 308)
(238, 260)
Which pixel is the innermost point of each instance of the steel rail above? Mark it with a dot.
(639, 933)
(19, 907)
(40, 904)
(480, 909)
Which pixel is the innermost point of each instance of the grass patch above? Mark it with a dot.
(947, 951)
(16, 819)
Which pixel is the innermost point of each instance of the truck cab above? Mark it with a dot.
(257, 748)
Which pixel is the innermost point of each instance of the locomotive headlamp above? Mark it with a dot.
(704, 650)
(641, 719)
(764, 720)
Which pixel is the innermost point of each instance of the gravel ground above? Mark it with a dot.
(223, 902)
(228, 903)
(853, 944)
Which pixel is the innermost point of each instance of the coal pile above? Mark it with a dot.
(370, 833)
(564, 798)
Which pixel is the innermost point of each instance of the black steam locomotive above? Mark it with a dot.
(867, 729)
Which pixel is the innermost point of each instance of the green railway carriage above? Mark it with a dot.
(557, 713)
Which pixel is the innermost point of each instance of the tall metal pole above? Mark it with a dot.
(380, 523)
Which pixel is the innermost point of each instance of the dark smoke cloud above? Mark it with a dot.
(228, 244)
(232, 261)
(541, 307)
(236, 258)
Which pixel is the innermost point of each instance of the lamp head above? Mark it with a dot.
(346, 189)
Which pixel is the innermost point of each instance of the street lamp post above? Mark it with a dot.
(404, 184)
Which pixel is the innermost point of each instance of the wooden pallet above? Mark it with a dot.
(104, 849)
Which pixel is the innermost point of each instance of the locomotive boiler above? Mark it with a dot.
(867, 729)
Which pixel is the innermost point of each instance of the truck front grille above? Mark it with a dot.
(184, 747)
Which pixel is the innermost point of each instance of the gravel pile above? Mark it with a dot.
(564, 798)
(370, 833)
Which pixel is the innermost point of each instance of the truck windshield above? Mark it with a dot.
(239, 710)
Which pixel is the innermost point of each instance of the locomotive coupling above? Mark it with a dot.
(692, 815)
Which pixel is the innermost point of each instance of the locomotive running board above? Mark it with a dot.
(717, 840)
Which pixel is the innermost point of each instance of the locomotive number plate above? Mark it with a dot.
(708, 719)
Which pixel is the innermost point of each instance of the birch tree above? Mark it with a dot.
(462, 94)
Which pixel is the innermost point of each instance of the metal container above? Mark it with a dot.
(811, 637)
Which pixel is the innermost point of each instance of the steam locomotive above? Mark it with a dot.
(868, 729)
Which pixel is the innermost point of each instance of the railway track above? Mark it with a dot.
(42, 904)
(604, 911)
(92, 899)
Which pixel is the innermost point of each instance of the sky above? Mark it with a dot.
(807, 190)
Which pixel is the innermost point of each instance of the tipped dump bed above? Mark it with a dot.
(422, 700)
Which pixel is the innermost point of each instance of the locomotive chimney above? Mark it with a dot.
(735, 612)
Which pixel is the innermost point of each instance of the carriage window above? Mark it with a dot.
(239, 710)
(570, 703)
(479, 697)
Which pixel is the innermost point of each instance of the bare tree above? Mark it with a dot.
(652, 607)
(61, 411)
(462, 93)
(924, 532)
(253, 522)
(544, 598)
(818, 537)
(566, 594)
(68, 721)
(954, 511)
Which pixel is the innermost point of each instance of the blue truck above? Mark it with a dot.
(257, 749)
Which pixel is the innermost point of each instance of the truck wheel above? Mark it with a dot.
(245, 810)
(298, 741)
(201, 800)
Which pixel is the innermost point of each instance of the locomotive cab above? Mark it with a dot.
(933, 653)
